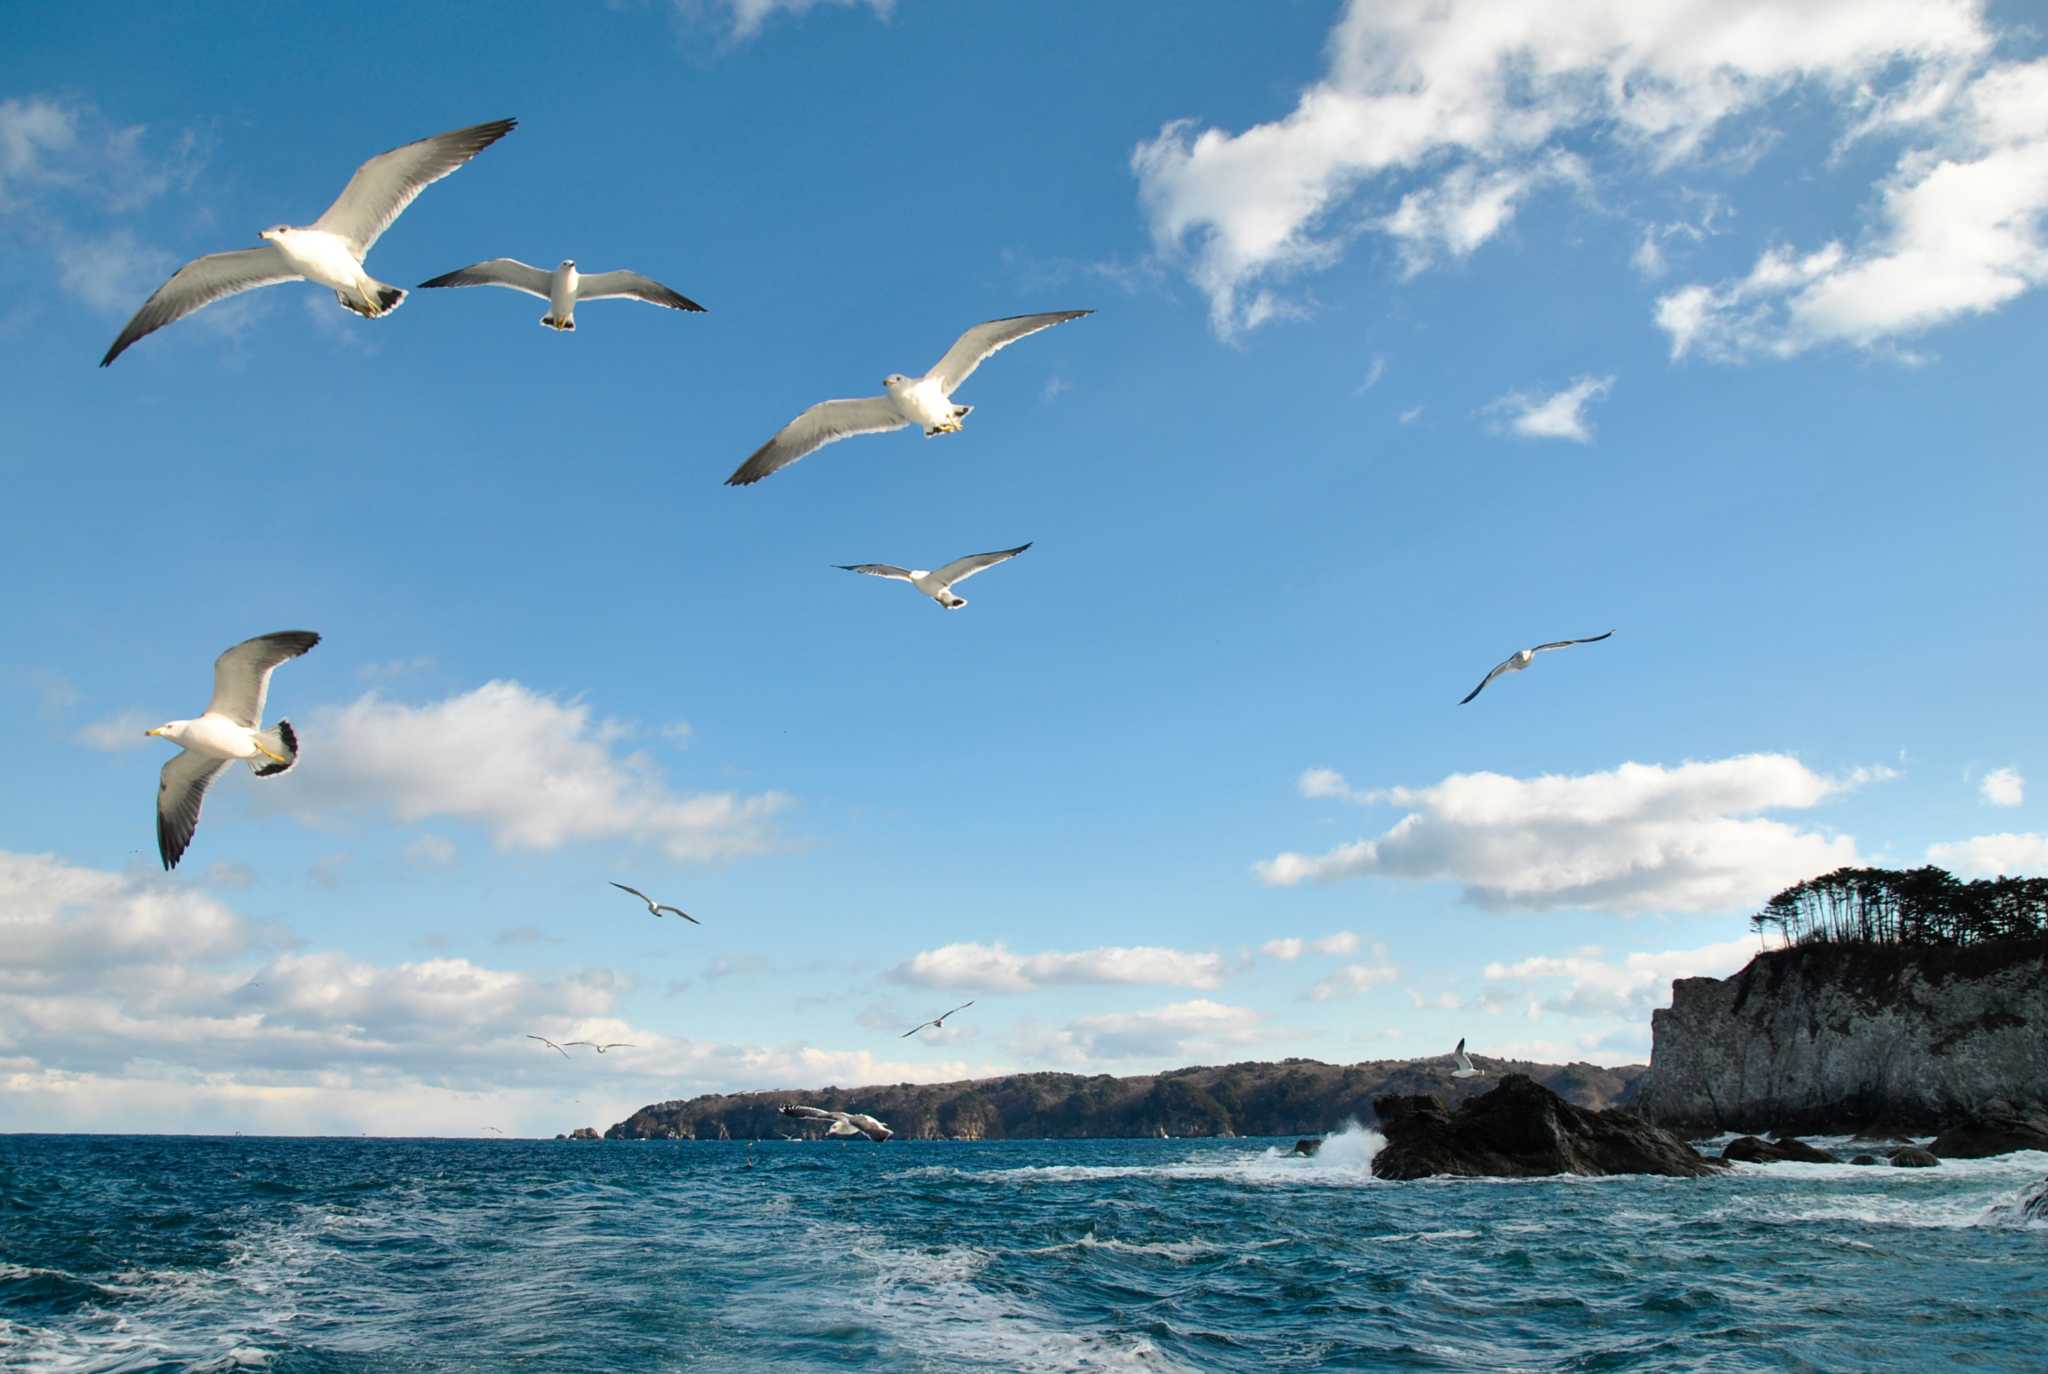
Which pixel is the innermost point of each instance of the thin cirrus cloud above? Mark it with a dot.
(1989, 856)
(2003, 787)
(535, 772)
(1183, 1030)
(118, 733)
(1291, 947)
(1638, 837)
(1353, 979)
(1477, 98)
(745, 19)
(995, 968)
(1559, 415)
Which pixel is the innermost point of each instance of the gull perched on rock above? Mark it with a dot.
(564, 287)
(329, 251)
(1464, 1069)
(936, 1023)
(658, 907)
(843, 1123)
(231, 728)
(926, 401)
(938, 585)
(1522, 658)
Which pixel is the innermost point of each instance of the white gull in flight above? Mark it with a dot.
(329, 251)
(658, 907)
(938, 585)
(926, 401)
(936, 1023)
(1522, 658)
(231, 728)
(564, 287)
(1464, 1069)
(843, 1123)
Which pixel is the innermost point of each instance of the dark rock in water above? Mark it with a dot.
(1979, 1137)
(1884, 1133)
(2034, 1204)
(1306, 1147)
(1913, 1157)
(585, 1133)
(1749, 1149)
(1864, 1159)
(1523, 1130)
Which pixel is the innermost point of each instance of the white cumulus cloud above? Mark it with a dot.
(1476, 100)
(1637, 837)
(1560, 415)
(1631, 985)
(536, 772)
(1353, 979)
(2004, 787)
(1195, 1030)
(994, 968)
(1988, 856)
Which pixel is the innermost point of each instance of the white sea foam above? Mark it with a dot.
(1344, 1161)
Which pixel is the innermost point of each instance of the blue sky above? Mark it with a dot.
(1417, 340)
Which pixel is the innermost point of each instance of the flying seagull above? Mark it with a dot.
(329, 251)
(231, 728)
(550, 1044)
(656, 907)
(843, 1123)
(1522, 658)
(936, 1023)
(938, 585)
(563, 287)
(926, 401)
(614, 1045)
(1464, 1069)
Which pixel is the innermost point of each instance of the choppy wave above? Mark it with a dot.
(1078, 1256)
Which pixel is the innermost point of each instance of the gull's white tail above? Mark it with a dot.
(281, 740)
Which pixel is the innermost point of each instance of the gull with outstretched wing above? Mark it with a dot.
(938, 585)
(925, 401)
(842, 1123)
(936, 1023)
(564, 287)
(1522, 658)
(657, 908)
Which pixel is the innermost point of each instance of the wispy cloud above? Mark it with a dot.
(994, 968)
(1632, 985)
(118, 733)
(1559, 415)
(1988, 856)
(745, 19)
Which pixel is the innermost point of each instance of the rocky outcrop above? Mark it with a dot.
(1992, 1133)
(1913, 1157)
(1306, 1147)
(1829, 1038)
(1294, 1097)
(1520, 1129)
(1750, 1150)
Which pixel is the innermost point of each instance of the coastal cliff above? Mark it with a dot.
(1291, 1097)
(1837, 1037)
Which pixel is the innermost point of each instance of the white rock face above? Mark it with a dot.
(1831, 1038)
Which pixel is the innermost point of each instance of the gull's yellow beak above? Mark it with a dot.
(156, 731)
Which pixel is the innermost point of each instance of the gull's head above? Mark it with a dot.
(568, 262)
(274, 232)
(170, 730)
(894, 380)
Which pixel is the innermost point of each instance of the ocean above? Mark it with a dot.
(212, 1254)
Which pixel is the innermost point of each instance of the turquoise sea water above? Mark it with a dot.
(178, 1253)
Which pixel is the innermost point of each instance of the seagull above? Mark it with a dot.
(329, 251)
(1522, 658)
(550, 1044)
(938, 585)
(563, 287)
(658, 908)
(1464, 1069)
(230, 729)
(936, 1023)
(925, 401)
(614, 1045)
(843, 1123)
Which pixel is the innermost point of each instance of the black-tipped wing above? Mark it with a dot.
(382, 187)
(678, 911)
(1458, 1052)
(180, 790)
(241, 676)
(827, 422)
(603, 286)
(201, 282)
(1499, 668)
(811, 1113)
(889, 570)
(550, 1044)
(497, 272)
(636, 892)
(960, 569)
(971, 348)
(1567, 643)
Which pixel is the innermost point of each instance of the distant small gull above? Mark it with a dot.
(1464, 1069)
(658, 907)
(550, 1044)
(614, 1045)
(926, 401)
(938, 585)
(563, 287)
(936, 1023)
(230, 729)
(330, 251)
(843, 1123)
(1522, 658)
